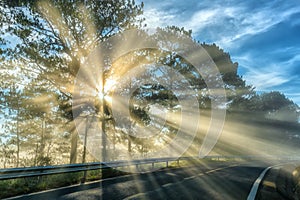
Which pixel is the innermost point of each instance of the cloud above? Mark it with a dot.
(294, 60)
(271, 76)
(260, 35)
(248, 23)
(266, 72)
(263, 78)
(223, 23)
(266, 80)
(201, 19)
(157, 18)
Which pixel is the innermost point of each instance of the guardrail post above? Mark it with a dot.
(153, 165)
(83, 179)
(178, 162)
(39, 178)
(167, 164)
(137, 167)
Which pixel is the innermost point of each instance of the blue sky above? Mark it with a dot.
(263, 36)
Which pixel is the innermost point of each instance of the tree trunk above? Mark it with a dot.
(129, 144)
(104, 145)
(18, 136)
(103, 121)
(73, 153)
(36, 154)
(42, 147)
(87, 126)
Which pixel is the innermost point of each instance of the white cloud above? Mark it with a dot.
(223, 24)
(200, 19)
(263, 77)
(230, 24)
(295, 59)
(249, 23)
(158, 18)
(265, 80)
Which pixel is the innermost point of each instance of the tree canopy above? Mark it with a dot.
(43, 44)
(54, 37)
(49, 40)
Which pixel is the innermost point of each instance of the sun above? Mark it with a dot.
(108, 87)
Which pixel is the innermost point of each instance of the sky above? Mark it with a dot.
(263, 36)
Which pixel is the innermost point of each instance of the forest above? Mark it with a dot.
(43, 46)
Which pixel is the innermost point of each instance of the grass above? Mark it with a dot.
(21, 186)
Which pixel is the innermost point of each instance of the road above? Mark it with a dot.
(218, 181)
(212, 180)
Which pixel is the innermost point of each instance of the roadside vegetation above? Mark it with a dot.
(296, 175)
(28, 185)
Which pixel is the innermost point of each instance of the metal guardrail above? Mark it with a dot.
(13, 173)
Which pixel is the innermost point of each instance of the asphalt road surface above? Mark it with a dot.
(209, 181)
(217, 181)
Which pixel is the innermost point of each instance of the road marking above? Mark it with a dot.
(256, 184)
(139, 195)
(210, 171)
(269, 184)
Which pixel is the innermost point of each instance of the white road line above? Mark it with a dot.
(256, 184)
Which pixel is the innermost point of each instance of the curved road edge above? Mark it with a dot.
(254, 189)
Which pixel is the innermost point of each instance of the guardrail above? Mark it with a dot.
(13, 173)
